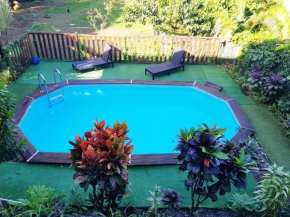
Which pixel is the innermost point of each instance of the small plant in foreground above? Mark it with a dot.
(242, 202)
(274, 191)
(76, 202)
(211, 164)
(8, 210)
(155, 201)
(251, 147)
(101, 160)
(42, 201)
(171, 198)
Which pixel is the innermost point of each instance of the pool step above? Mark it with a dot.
(57, 97)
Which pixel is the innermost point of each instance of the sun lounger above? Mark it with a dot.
(101, 61)
(174, 63)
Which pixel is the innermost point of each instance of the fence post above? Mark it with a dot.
(77, 45)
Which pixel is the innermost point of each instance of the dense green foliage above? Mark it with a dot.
(252, 147)
(241, 20)
(42, 201)
(274, 191)
(181, 17)
(9, 147)
(212, 165)
(6, 17)
(264, 68)
(242, 202)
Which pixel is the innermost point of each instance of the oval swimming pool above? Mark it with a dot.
(154, 115)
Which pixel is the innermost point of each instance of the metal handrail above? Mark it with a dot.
(60, 79)
(41, 90)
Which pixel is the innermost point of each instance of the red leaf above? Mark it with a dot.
(88, 134)
(121, 132)
(102, 123)
(206, 162)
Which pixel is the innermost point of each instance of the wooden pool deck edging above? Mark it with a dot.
(33, 156)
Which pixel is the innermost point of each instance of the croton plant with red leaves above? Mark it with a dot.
(101, 160)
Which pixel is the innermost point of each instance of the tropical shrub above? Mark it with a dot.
(242, 202)
(270, 86)
(256, 77)
(274, 191)
(171, 198)
(101, 160)
(264, 68)
(267, 55)
(252, 147)
(9, 147)
(211, 164)
(273, 86)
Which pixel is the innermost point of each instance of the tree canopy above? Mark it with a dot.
(227, 18)
(6, 17)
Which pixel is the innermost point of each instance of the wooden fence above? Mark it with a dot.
(199, 50)
(19, 53)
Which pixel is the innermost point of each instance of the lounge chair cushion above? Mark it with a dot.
(161, 67)
(106, 53)
(88, 64)
(177, 56)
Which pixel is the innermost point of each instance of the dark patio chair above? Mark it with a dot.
(175, 63)
(101, 61)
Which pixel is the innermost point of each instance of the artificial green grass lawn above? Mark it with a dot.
(18, 176)
(267, 128)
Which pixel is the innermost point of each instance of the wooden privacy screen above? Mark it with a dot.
(199, 50)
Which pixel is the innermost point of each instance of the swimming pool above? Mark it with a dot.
(154, 115)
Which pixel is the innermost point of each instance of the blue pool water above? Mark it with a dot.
(154, 115)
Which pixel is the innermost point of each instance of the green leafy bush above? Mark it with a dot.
(274, 191)
(266, 56)
(5, 76)
(174, 17)
(9, 147)
(242, 202)
(42, 26)
(76, 201)
(42, 201)
(264, 68)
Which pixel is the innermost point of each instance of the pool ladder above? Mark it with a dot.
(40, 76)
